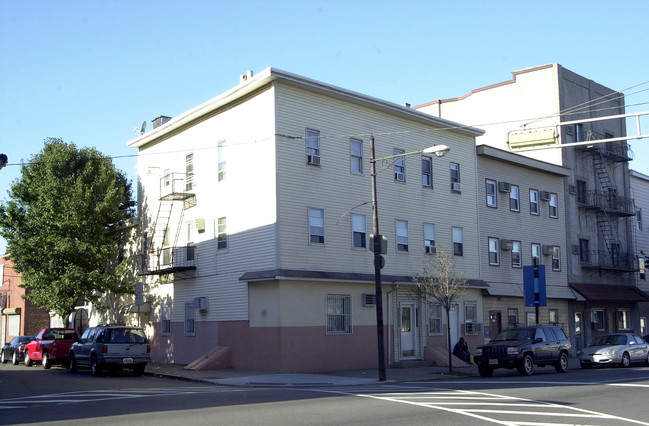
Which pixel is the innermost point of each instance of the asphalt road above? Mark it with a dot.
(609, 396)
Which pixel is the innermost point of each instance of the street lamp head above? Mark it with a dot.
(438, 150)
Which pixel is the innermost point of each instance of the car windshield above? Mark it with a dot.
(609, 339)
(515, 334)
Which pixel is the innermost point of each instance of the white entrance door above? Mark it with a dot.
(454, 318)
(407, 330)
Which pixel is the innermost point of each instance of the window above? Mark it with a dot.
(427, 172)
(512, 317)
(556, 258)
(623, 319)
(356, 156)
(536, 254)
(167, 177)
(584, 250)
(455, 173)
(554, 206)
(313, 147)
(490, 188)
(597, 318)
(514, 199)
(402, 235)
(316, 225)
(339, 314)
(222, 234)
(493, 251)
(429, 238)
(581, 192)
(638, 216)
(470, 314)
(434, 318)
(190, 324)
(553, 318)
(222, 162)
(189, 172)
(165, 318)
(191, 233)
(516, 254)
(399, 166)
(359, 231)
(458, 241)
(534, 201)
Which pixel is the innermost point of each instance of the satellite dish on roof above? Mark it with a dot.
(143, 128)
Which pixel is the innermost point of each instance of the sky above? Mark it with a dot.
(90, 72)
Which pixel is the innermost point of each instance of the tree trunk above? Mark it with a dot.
(450, 349)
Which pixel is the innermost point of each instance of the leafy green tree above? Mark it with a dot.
(440, 282)
(57, 224)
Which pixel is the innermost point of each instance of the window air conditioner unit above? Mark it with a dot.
(504, 187)
(545, 195)
(369, 299)
(200, 303)
(431, 250)
(506, 244)
(456, 187)
(401, 177)
(313, 159)
(546, 249)
(200, 225)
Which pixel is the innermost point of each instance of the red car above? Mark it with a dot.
(51, 346)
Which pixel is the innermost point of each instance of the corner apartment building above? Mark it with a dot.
(552, 106)
(256, 211)
(522, 223)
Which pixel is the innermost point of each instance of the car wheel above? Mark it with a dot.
(4, 359)
(485, 371)
(14, 358)
(585, 366)
(626, 360)
(526, 367)
(562, 365)
(47, 362)
(72, 364)
(95, 368)
(28, 360)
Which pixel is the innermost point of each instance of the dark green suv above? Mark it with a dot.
(522, 348)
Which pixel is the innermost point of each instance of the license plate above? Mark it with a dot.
(493, 361)
(127, 360)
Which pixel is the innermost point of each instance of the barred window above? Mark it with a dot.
(339, 314)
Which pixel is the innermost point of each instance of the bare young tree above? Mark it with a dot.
(440, 282)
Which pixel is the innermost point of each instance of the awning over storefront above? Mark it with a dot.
(610, 292)
(144, 308)
(516, 290)
(11, 311)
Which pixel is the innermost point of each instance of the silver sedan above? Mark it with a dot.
(612, 349)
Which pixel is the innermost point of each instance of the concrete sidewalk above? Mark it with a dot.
(235, 377)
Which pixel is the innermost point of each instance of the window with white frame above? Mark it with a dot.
(402, 235)
(165, 317)
(222, 234)
(427, 172)
(582, 193)
(222, 166)
(490, 190)
(534, 201)
(434, 318)
(191, 234)
(584, 250)
(356, 156)
(553, 316)
(359, 231)
(455, 177)
(189, 172)
(598, 319)
(339, 314)
(429, 238)
(512, 317)
(313, 147)
(470, 318)
(623, 319)
(493, 252)
(556, 258)
(190, 319)
(554, 206)
(458, 241)
(399, 166)
(516, 254)
(536, 254)
(316, 226)
(514, 199)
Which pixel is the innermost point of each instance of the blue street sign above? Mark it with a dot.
(534, 285)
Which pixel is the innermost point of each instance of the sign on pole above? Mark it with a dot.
(534, 285)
